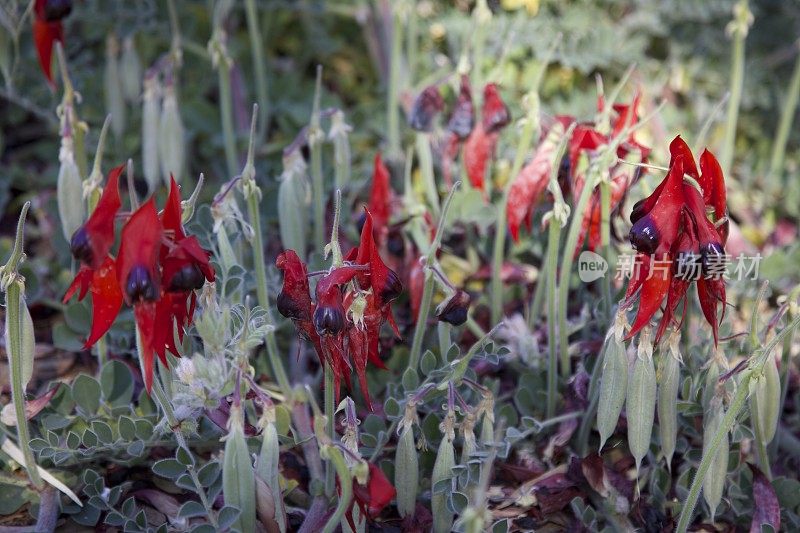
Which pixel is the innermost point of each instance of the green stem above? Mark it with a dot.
(785, 123)
(591, 410)
(330, 408)
(443, 329)
(422, 320)
(740, 26)
(538, 293)
(393, 104)
(259, 66)
(15, 355)
(566, 269)
(317, 183)
(605, 242)
(426, 169)
(226, 113)
(705, 463)
(346, 489)
(552, 362)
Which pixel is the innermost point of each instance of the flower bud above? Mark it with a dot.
(443, 472)
(455, 309)
(171, 142)
(640, 402)
(115, 104)
(406, 472)
(293, 202)
(69, 189)
(151, 109)
(714, 480)
(130, 70)
(238, 477)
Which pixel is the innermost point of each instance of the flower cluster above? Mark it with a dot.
(684, 222)
(352, 302)
(157, 269)
(479, 140)
(47, 29)
(530, 184)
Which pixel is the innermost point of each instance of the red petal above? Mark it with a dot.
(426, 106)
(766, 507)
(711, 292)
(713, 183)
(653, 292)
(478, 150)
(140, 243)
(171, 218)
(663, 216)
(494, 113)
(380, 195)
(463, 117)
(83, 280)
(100, 225)
(528, 186)
(45, 34)
(145, 314)
(106, 300)
(381, 491)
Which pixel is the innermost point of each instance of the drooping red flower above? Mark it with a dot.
(91, 244)
(351, 303)
(47, 29)
(373, 497)
(678, 243)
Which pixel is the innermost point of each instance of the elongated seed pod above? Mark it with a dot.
(765, 401)
(640, 402)
(710, 387)
(26, 338)
(293, 203)
(171, 137)
(669, 378)
(115, 101)
(267, 470)
(613, 387)
(130, 70)
(151, 112)
(69, 190)
(406, 472)
(443, 470)
(238, 476)
(714, 481)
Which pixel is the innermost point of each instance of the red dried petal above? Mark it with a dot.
(478, 150)
(463, 117)
(494, 113)
(426, 106)
(766, 507)
(294, 300)
(528, 187)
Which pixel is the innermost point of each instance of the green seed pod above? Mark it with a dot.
(765, 401)
(640, 402)
(406, 472)
(710, 388)
(338, 134)
(171, 137)
(613, 384)
(293, 203)
(486, 408)
(69, 190)
(115, 102)
(442, 471)
(25, 333)
(151, 111)
(238, 477)
(669, 378)
(714, 481)
(131, 70)
(267, 466)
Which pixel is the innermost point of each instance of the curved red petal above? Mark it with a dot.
(106, 300)
(528, 187)
(82, 281)
(713, 183)
(380, 195)
(653, 292)
(100, 225)
(494, 113)
(140, 243)
(171, 217)
(45, 35)
(145, 314)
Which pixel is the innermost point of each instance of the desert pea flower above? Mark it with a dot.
(47, 29)
(351, 303)
(156, 272)
(91, 245)
(678, 243)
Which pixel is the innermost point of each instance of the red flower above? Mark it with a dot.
(426, 106)
(678, 243)
(91, 244)
(529, 185)
(351, 304)
(157, 270)
(373, 497)
(47, 29)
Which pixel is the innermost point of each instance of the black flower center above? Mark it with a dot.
(644, 236)
(140, 286)
(328, 321)
(57, 9)
(80, 245)
(290, 308)
(188, 277)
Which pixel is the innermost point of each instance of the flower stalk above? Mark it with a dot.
(737, 29)
(785, 122)
(315, 138)
(222, 61)
(259, 67)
